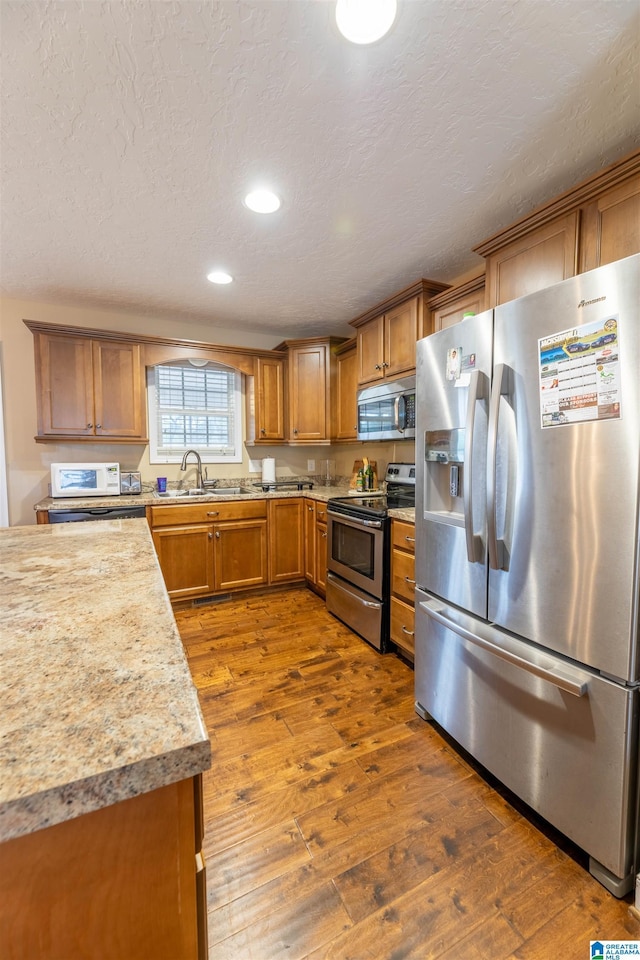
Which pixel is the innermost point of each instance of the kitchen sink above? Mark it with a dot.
(231, 491)
(209, 491)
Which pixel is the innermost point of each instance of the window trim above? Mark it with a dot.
(207, 456)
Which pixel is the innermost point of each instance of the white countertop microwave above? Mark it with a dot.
(85, 479)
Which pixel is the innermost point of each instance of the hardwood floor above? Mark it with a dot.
(340, 825)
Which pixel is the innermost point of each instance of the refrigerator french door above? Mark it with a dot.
(528, 448)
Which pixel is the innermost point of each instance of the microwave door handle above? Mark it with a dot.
(477, 392)
(399, 414)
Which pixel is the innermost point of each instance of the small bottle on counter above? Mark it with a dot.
(368, 477)
(360, 480)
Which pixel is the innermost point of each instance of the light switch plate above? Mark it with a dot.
(311, 465)
(255, 466)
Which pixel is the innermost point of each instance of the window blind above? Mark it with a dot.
(196, 408)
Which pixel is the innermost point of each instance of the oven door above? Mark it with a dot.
(356, 551)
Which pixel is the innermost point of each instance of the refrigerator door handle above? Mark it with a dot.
(495, 644)
(477, 391)
(500, 388)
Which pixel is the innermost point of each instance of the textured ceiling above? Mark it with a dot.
(131, 131)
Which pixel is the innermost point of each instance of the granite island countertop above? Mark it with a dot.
(98, 704)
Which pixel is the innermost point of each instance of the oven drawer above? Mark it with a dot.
(364, 614)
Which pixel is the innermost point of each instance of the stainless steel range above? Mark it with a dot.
(358, 555)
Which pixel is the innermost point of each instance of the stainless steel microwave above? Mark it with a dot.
(388, 410)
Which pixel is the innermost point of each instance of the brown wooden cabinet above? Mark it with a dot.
(210, 547)
(286, 540)
(387, 335)
(449, 307)
(122, 881)
(402, 586)
(315, 544)
(88, 389)
(311, 388)
(270, 400)
(543, 256)
(594, 223)
(346, 421)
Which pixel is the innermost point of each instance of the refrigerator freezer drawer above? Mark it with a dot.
(561, 738)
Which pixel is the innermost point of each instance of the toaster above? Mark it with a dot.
(130, 482)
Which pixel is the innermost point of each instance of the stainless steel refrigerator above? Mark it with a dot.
(527, 552)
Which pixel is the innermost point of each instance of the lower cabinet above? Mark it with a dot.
(403, 586)
(286, 540)
(123, 881)
(210, 547)
(315, 545)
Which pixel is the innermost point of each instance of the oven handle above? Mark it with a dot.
(355, 521)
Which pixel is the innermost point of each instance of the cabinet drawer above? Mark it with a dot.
(402, 626)
(403, 535)
(403, 577)
(209, 512)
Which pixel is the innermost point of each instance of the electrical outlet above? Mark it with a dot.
(311, 466)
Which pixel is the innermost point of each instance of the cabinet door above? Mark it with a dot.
(453, 312)
(370, 351)
(401, 336)
(269, 399)
(542, 257)
(610, 227)
(321, 558)
(308, 379)
(65, 385)
(118, 389)
(310, 540)
(240, 554)
(185, 555)
(286, 540)
(347, 386)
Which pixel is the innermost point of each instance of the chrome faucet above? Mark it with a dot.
(183, 466)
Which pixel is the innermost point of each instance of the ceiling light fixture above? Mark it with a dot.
(262, 201)
(365, 21)
(219, 276)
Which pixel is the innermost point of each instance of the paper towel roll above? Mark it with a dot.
(268, 470)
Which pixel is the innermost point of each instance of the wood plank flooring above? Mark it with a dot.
(339, 825)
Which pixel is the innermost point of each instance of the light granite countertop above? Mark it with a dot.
(98, 703)
(150, 499)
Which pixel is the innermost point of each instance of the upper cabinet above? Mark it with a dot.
(595, 223)
(88, 388)
(346, 410)
(312, 370)
(388, 333)
(269, 400)
(450, 307)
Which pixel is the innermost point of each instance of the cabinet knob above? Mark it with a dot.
(310, 509)
(89, 426)
(295, 430)
(378, 367)
(262, 431)
(98, 426)
(385, 364)
(210, 535)
(217, 534)
(212, 513)
(324, 535)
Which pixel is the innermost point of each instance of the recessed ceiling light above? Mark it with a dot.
(365, 21)
(262, 201)
(219, 276)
